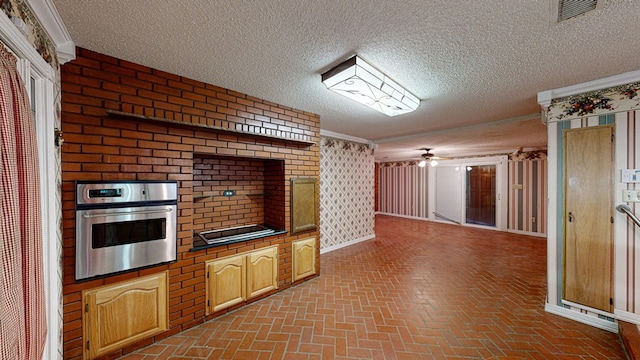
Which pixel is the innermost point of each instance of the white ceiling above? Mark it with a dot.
(477, 65)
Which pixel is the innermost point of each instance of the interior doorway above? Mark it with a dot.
(470, 192)
(481, 195)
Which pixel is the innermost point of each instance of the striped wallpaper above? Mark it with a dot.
(528, 196)
(402, 189)
(626, 243)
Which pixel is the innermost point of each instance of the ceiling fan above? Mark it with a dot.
(429, 157)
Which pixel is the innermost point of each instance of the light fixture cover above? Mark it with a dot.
(361, 82)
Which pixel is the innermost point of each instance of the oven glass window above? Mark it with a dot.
(128, 232)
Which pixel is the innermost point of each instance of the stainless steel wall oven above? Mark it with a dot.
(124, 225)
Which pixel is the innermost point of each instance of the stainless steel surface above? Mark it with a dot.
(261, 230)
(130, 211)
(126, 238)
(623, 208)
(131, 192)
(92, 262)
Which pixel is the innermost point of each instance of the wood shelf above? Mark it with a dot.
(151, 119)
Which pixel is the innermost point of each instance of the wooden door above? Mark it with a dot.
(303, 258)
(226, 283)
(121, 314)
(262, 271)
(588, 216)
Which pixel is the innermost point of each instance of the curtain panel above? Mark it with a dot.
(22, 304)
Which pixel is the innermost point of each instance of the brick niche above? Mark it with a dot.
(125, 121)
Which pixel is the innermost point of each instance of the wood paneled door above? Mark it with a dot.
(588, 216)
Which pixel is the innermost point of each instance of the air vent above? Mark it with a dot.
(572, 8)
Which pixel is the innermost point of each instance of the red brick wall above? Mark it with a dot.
(212, 176)
(102, 147)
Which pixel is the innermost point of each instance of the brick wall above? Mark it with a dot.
(247, 177)
(100, 146)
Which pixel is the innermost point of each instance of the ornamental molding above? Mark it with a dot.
(604, 96)
(40, 24)
(330, 142)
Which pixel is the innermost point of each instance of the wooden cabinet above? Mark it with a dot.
(226, 283)
(235, 279)
(120, 314)
(303, 258)
(262, 271)
(304, 206)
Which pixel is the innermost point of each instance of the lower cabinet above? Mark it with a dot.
(226, 283)
(235, 279)
(262, 271)
(120, 314)
(303, 258)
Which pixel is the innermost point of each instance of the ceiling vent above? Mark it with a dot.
(572, 8)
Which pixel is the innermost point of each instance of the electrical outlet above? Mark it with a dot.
(631, 195)
(516, 186)
(228, 193)
(533, 219)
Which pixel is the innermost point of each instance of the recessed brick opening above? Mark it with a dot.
(257, 184)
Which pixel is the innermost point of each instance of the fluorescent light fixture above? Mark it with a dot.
(361, 82)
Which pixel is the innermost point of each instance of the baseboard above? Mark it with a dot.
(627, 316)
(402, 216)
(583, 318)
(345, 244)
(529, 233)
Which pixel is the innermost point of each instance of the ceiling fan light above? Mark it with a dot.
(433, 163)
(422, 163)
(361, 82)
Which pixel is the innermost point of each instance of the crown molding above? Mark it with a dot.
(50, 19)
(336, 135)
(545, 97)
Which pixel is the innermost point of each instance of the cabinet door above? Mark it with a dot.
(123, 313)
(262, 271)
(304, 258)
(226, 285)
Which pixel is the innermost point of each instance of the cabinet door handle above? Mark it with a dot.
(570, 217)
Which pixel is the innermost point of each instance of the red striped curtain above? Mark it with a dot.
(22, 306)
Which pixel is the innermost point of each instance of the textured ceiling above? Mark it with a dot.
(477, 65)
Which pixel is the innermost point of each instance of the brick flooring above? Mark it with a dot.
(419, 290)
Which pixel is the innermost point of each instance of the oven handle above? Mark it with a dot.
(167, 210)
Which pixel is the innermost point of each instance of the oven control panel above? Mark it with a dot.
(93, 193)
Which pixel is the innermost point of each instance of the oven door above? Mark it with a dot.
(118, 239)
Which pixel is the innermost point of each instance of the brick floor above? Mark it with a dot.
(419, 290)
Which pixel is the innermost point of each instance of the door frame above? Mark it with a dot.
(502, 191)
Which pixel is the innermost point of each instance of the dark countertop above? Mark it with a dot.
(200, 244)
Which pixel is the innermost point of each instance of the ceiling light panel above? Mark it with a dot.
(359, 81)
